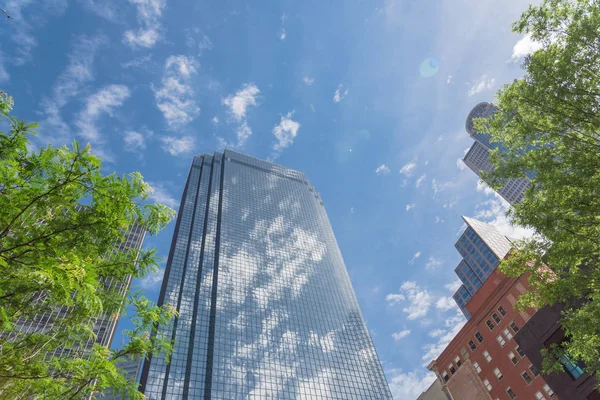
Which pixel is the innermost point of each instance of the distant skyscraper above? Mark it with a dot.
(266, 306)
(477, 158)
(482, 247)
(105, 325)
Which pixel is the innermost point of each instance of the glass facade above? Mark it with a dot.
(482, 247)
(266, 307)
(477, 158)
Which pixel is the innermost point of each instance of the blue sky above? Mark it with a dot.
(368, 98)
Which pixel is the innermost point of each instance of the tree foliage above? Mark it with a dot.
(549, 128)
(60, 219)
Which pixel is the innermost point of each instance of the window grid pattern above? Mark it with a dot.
(286, 323)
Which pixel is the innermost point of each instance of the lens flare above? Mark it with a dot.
(429, 67)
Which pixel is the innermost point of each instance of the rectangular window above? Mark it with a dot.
(501, 311)
(534, 370)
(479, 337)
(489, 325)
(520, 351)
(472, 345)
(501, 340)
(539, 396)
(514, 327)
(496, 318)
(507, 334)
(451, 368)
(526, 377)
(513, 358)
(498, 374)
(477, 367)
(487, 385)
(511, 394)
(445, 376)
(573, 368)
(549, 391)
(457, 361)
(487, 356)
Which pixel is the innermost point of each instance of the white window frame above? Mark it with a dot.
(487, 356)
(507, 333)
(477, 367)
(498, 374)
(488, 385)
(501, 340)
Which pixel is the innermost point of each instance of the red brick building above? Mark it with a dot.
(484, 361)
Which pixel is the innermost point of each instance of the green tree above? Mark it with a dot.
(548, 124)
(60, 219)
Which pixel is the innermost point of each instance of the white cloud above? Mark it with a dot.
(410, 206)
(282, 34)
(436, 333)
(176, 146)
(438, 220)
(339, 93)
(382, 170)
(445, 303)
(420, 180)
(394, 298)
(148, 15)
(484, 83)
(215, 120)
(400, 335)
(452, 326)
(409, 385)
(195, 39)
(483, 187)
(308, 80)
(285, 132)
(460, 164)
(408, 169)
(71, 81)
(101, 102)
(525, 46)
(493, 211)
(433, 263)
(160, 194)
(417, 255)
(152, 281)
(134, 141)
(245, 97)
(449, 80)
(138, 62)
(453, 286)
(175, 97)
(419, 300)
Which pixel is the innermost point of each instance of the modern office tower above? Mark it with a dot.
(266, 307)
(131, 369)
(105, 325)
(482, 247)
(477, 158)
(485, 360)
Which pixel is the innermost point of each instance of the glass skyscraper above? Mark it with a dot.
(266, 307)
(482, 247)
(477, 158)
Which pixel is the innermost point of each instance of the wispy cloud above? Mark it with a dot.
(176, 146)
(339, 93)
(409, 385)
(102, 102)
(70, 82)
(438, 220)
(149, 13)
(493, 211)
(420, 180)
(138, 62)
(282, 32)
(382, 170)
(134, 141)
(161, 194)
(285, 132)
(417, 255)
(175, 97)
(452, 325)
(433, 263)
(410, 206)
(308, 80)
(449, 80)
(525, 46)
(152, 281)
(400, 335)
(409, 169)
(445, 303)
(419, 299)
(196, 39)
(239, 102)
(483, 83)
(453, 286)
